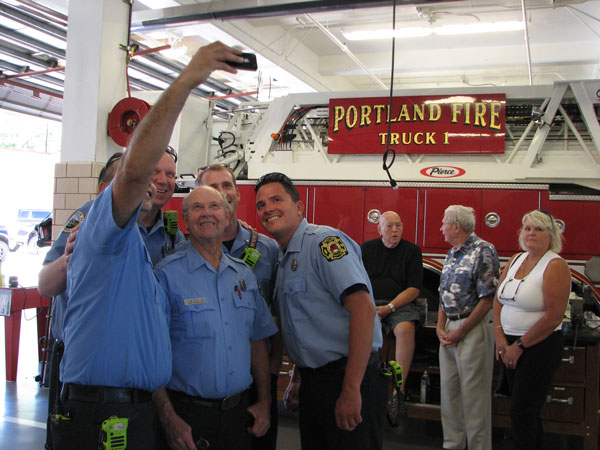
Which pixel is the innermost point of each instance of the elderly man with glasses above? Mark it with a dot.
(467, 287)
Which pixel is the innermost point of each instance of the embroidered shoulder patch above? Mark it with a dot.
(76, 218)
(333, 248)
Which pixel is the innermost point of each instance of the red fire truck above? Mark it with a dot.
(502, 151)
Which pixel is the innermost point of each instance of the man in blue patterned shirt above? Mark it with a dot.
(465, 330)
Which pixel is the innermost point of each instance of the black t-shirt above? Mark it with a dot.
(392, 270)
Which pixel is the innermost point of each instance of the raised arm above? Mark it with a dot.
(154, 131)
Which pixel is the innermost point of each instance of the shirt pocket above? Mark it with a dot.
(296, 298)
(294, 286)
(198, 320)
(245, 309)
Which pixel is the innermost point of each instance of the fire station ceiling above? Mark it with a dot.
(312, 45)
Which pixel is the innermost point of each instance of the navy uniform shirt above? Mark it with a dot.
(116, 328)
(470, 272)
(55, 252)
(320, 263)
(215, 315)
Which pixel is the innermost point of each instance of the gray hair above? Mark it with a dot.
(464, 215)
(185, 206)
(543, 219)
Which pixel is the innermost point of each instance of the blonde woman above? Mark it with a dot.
(528, 311)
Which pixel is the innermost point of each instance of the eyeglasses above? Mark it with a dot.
(171, 151)
(510, 289)
(275, 177)
(113, 158)
(543, 211)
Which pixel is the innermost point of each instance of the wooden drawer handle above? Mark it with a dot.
(566, 401)
(570, 360)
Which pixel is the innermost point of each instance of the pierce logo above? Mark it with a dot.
(442, 172)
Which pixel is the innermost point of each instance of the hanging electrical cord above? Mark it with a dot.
(390, 150)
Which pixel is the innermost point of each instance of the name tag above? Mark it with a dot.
(194, 301)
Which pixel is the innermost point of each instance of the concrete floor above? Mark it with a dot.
(23, 406)
(23, 421)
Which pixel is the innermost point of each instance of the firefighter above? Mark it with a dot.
(329, 325)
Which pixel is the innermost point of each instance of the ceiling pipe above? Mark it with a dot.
(528, 50)
(31, 73)
(7, 66)
(345, 49)
(33, 88)
(31, 43)
(206, 12)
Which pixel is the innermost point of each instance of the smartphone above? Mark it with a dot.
(248, 64)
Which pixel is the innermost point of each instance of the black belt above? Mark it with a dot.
(229, 402)
(459, 316)
(337, 365)
(104, 394)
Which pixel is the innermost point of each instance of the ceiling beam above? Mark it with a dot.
(245, 9)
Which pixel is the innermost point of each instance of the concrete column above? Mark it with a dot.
(94, 82)
(94, 77)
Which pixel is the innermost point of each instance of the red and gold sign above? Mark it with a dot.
(418, 124)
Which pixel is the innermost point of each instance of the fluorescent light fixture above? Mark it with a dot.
(368, 35)
(443, 30)
(159, 4)
(479, 27)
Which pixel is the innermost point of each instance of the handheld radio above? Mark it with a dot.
(170, 221)
(114, 433)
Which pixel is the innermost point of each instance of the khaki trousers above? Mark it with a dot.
(466, 387)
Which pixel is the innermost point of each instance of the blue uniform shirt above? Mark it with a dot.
(264, 270)
(469, 273)
(215, 315)
(116, 329)
(55, 252)
(158, 241)
(319, 265)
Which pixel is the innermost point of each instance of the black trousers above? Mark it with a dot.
(223, 429)
(319, 391)
(80, 423)
(529, 383)
(55, 353)
(269, 440)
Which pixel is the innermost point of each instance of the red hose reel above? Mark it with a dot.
(124, 117)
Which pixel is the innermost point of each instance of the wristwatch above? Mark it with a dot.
(520, 344)
(392, 307)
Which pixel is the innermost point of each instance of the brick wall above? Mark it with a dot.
(75, 183)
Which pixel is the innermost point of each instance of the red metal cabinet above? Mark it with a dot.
(340, 207)
(582, 232)
(404, 201)
(435, 202)
(509, 205)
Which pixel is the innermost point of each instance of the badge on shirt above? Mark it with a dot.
(194, 301)
(333, 248)
(76, 218)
